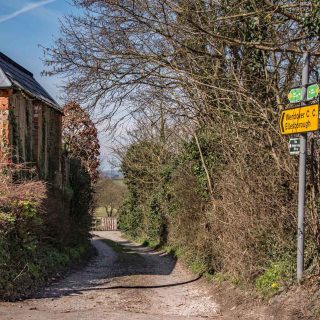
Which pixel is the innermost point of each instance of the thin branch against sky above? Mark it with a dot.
(28, 7)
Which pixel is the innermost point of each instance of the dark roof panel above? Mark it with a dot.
(24, 79)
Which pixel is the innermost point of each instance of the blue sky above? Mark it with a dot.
(26, 24)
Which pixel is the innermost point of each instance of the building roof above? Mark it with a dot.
(13, 75)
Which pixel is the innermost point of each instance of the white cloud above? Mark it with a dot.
(28, 7)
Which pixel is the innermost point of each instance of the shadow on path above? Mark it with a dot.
(109, 265)
(65, 292)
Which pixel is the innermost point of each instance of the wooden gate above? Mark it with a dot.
(106, 224)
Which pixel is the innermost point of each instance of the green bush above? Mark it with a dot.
(237, 230)
(35, 241)
(275, 278)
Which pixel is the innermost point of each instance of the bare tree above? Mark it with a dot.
(218, 69)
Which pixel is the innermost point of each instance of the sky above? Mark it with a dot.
(25, 26)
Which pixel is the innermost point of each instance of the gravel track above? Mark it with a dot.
(138, 283)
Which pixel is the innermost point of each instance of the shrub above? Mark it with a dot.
(239, 227)
(36, 236)
(274, 278)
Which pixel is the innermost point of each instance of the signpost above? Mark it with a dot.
(302, 176)
(299, 120)
(294, 146)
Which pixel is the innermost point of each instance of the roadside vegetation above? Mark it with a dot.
(234, 236)
(43, 229)
(203, 83)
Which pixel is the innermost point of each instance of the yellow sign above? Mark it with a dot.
(299, 120)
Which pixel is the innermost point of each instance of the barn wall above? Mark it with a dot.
(20, 114)
(35, 135)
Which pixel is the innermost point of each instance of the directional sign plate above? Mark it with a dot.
(299, 120)
(294, 146)
(295, 95)
(312, 91)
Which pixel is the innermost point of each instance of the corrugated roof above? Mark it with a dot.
(14, 75)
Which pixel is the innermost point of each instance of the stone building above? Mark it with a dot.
(30, 121)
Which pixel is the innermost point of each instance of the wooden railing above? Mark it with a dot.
(105, 224)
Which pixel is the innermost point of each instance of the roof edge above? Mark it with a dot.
(47, 102)
(15, 64)
(5, 82)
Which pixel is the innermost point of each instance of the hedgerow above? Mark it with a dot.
(237, 228)
(44, 228)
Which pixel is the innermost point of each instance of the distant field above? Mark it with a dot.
(110, 194)
(119, 182)
(100, 212)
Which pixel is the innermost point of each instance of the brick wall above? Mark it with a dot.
(4, 122)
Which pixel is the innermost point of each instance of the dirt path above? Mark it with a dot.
(134, 283)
